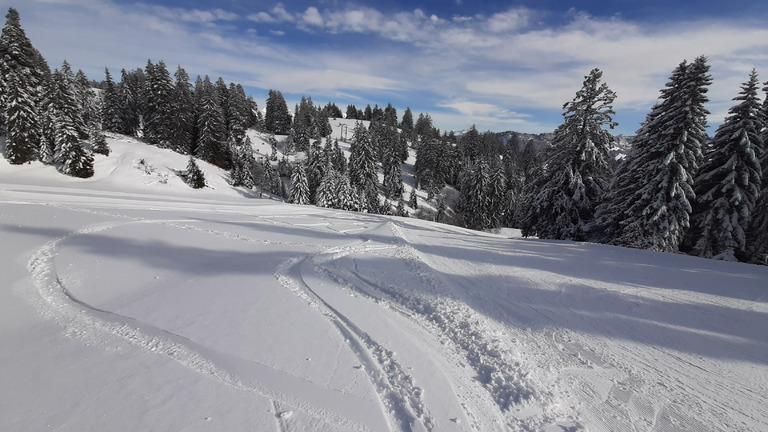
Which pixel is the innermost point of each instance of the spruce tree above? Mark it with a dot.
(160, 116)
(20, 83)
(237, 114)
(729, 181)
(73, 159)
(335, 192)
(562, 201)
(88, 102)
(299, 187)
(482, 195)
(100, 145)
(111, 117)
(77, 100)
(183, 127)
(211, 143)
(363, 172)
(194, 176)
(133, 100)
(758, 235)
(406, 124)
(242, 164)
(431, 165)
(277, 119)
(650, 200)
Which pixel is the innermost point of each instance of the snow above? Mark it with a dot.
(131, 301)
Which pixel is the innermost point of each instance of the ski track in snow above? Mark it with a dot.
(399, 396)
(89, 323)
(613, 374)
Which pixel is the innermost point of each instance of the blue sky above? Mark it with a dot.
(499, 65)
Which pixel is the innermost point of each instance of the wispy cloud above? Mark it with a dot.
(492, 69)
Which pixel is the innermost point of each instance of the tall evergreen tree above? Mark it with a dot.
(77, 99)
(21, 81)
(111, 117)
(729, 181)
(237, 114)
(363, 172)
(758, 235)
(335, 192)
(650, 200)
(72, 157)
(299, 187)
(562, 202)
(183, 108)
(133, 96)
(277, 119)
(474, 199)
(211, 143)
(89, 103)
(159, 117)
(430, 167)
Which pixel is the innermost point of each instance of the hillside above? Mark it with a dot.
(130, 301)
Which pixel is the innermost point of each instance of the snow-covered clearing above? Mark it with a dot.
(131, 302)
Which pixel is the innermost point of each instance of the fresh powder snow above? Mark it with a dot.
(130, 301)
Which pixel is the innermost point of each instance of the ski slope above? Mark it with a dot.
(131, 302)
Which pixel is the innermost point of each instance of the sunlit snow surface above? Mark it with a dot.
(132, 302)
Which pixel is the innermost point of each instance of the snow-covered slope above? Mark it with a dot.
(131, 302)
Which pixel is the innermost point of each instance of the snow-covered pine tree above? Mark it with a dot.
(391, 161)
(363, 171)
(729, 181)
(423, 127)
(650, 201)
(111, 117)
(299, 187)
(243, 163)
(270, 179)
(73, 159)
(77, 100)
(406, 124)
(758, 235)
(100, 145)
(20, 91)
(211, 133)
(159, 118)
(497, 197)
(317, 165)
(88, 102)
(430, 165)
(335, 192)
(194, 176)
(513, 172)
(474, 199)
(561, 203)
(237, 113)
(183, 128)
(338, 160)
(277, 119)
(133, 97)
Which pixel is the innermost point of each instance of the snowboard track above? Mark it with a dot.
(83, 321)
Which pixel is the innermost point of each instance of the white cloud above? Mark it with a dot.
(487, 68)
(261, 17)
(511, 20)
(281, 14)
(196, 15)
(312, 16)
